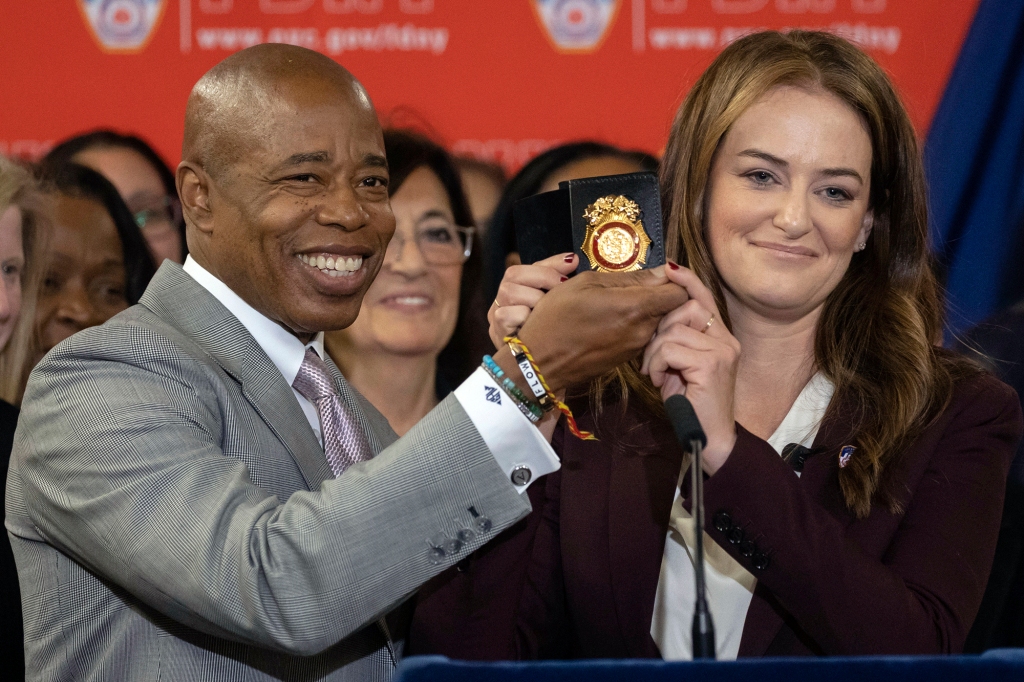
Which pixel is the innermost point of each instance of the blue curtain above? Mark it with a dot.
(974, 160)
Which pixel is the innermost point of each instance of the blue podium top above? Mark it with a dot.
(993, 666)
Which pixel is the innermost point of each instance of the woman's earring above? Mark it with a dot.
(862, 246)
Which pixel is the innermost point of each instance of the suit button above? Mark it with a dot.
(480, 522)
(735, 535)
(760, 561)
(723, 522)
(747, 548)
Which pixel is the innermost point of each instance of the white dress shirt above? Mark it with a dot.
(730, 587)
(512, 439)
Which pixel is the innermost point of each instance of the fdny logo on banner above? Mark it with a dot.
(122, 25)
(576, 25)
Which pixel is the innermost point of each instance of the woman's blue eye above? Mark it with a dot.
(836, 193)
(761, 177)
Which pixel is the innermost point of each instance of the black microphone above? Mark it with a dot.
(691, 437)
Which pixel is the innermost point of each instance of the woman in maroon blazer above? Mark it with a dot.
(855, 470)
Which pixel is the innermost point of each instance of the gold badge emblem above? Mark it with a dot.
(615, 239)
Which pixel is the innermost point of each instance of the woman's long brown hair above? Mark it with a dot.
(877, 334)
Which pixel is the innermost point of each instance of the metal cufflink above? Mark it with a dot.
(521, 475)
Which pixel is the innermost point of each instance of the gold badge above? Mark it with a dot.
(615, 239)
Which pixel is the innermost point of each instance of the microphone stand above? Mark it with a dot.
(703, 631)
(691, 437)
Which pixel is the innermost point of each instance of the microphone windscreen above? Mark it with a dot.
(684, 421)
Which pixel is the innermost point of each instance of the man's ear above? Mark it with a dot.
(194, 189)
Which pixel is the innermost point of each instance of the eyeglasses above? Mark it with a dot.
(159, 216)
(439, 244)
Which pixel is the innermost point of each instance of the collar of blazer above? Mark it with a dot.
(178, 299)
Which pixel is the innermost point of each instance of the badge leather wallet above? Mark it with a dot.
(613, 223)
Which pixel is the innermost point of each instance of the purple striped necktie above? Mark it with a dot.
(344, 440)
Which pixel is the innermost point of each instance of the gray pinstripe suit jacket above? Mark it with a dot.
(173, 515)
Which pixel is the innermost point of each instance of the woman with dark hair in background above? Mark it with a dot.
(483, 183)
(142, 178)
(854, 470)
(96, 263)
(421, 322)
(558, 164)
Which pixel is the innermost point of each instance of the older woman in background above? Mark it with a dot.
(421, 322)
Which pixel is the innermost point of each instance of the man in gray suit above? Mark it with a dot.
(171, 507)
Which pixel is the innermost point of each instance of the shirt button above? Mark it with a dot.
(760, 561)
(748, 548)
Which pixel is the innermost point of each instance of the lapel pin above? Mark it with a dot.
(844, 455)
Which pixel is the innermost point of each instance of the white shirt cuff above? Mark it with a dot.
(517, 445)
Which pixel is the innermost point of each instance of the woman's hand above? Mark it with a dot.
(692, 357)
(521, 289)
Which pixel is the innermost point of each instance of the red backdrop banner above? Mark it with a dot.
(496, 79)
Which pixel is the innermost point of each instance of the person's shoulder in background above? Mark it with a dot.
(998, 344)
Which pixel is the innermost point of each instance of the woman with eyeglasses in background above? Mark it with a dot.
(422, 322)
(142, 179)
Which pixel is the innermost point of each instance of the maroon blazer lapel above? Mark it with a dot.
(641, 490)
(819, 478)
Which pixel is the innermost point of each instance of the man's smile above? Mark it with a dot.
(332, 265)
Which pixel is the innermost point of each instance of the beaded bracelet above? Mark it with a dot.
(514, 342)
(528, 408)
(499, 375)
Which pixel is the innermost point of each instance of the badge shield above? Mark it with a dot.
(122, 25)
(576, 25)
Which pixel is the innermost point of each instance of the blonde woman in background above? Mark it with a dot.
(20, 207)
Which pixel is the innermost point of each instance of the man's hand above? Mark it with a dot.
(593, 323)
